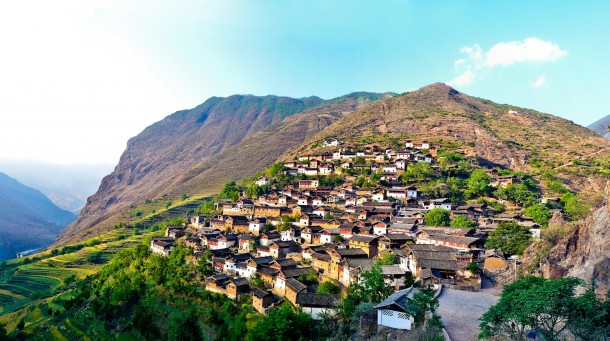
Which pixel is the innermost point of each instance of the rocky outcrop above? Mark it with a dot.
(586, 252)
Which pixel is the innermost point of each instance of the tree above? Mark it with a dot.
(328, 287)
(388, 258)
(372, 287)
(473, 267)
(437, 217)
(478, 183)
(282, 323)
(573, 206)
(257, 282)
(422, 303)
(463, 222)
(183, 196)
(420, 170)
(540, 213)
(521, 194)
(229, 191)
(547, 307)
(204, 264)
(509, 237)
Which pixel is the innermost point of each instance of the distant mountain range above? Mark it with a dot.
(196, 151)
(28, 219)
(601, 127)
(67, 185)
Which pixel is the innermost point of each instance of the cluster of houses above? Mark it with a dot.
(387, 161)
(296, 237)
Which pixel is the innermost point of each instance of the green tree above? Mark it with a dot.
(328, 287)
(275, 169)
(422, 303)
(373, 287)
(183, 196)
(540, 213)
(437, 217)
(282, 323)
(547, 306)
(478, 183)
(509, 237)
(204, 264)
(387, 258)
(521, 194)
(463, 222)
(229, 191)
(574, 207)
(254, 191)
(256, 281)
(420, 170)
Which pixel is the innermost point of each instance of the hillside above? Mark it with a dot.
(193, 151)
(67, 185)
(28, 219)
(601, 127)
(496, 134)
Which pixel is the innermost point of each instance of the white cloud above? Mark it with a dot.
(529, 50)
(464, 79)
(476, 60)
(538, 82)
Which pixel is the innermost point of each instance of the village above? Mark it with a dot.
(303, 233)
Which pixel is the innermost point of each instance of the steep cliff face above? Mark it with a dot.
(586, 252)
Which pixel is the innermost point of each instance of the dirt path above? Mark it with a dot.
(460, 311)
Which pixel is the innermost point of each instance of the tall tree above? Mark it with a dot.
(546, 307)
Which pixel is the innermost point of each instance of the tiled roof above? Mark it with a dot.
(398, 301)
(317, 300)
(295, 285)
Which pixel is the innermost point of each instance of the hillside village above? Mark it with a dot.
(317, 221)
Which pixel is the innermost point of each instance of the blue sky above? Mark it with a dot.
(80, 78)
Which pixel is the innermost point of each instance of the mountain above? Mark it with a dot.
(67, 185)
(601, 127)
(28, 219)
(195, 151)
(496, 134)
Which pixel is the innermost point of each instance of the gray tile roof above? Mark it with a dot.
(398, 301)
(306, 299)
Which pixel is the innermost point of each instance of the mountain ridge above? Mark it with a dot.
(500, 135)
(28, 219)
(601, 126)
(164, 153)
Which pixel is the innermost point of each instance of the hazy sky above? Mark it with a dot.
(78, 78)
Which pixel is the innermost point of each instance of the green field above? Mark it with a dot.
(30, 291)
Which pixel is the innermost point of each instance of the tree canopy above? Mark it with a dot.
(545, 307)
(437, 217)
(509, 237)
(540, 213)
(463, 222)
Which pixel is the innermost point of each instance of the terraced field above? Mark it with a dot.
(31, 292)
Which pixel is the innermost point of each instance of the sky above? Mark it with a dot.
(79, 78)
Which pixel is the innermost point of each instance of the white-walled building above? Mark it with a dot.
(393, 311)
